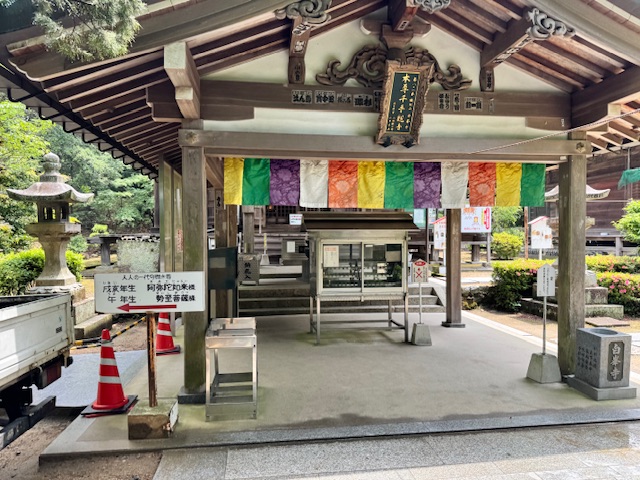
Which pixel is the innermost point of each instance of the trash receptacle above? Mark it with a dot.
(603, 364)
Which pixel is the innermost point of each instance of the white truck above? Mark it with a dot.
(36, 333)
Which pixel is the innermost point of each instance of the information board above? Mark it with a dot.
(419, 271)
(150, 292)
(546, 281)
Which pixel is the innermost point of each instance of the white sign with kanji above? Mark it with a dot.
(546, 281)
(419, 271)
(150, 292)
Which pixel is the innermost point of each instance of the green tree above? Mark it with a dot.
(506, 219)
(629, 224)
(22, 145)
(100, 28)
(123, 198)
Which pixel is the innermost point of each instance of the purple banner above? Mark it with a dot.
(285, 182)
(426, 186)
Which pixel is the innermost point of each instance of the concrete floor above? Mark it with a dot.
(359, 384)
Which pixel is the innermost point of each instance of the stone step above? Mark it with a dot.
(93, 326)
(530, 305)
(303, 302)
(83, 310)
(352, 308)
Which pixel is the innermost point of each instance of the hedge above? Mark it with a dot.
(512, 280)
(19, 270)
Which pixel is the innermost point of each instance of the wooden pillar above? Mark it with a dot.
(248, 231)
(194, 217)
(572, 212)
(226, 235)
(165, 207)
(453, 264)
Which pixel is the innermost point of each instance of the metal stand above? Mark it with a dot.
(231, 395)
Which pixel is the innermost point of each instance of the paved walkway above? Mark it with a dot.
(608, 451)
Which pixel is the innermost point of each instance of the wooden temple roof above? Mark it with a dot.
(107, 103)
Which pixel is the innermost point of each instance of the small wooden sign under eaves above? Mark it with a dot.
(403, 99)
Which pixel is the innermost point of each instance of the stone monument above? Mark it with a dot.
(54, 228)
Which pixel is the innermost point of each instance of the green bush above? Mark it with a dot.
(19, 270)
(511, 281)
(611, 263)
(99, 229)
(505, 246)
(623, 288)
(78, 244)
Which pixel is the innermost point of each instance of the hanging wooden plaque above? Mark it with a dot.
(403, 100)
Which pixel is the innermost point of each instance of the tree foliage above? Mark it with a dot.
(505, 218)
(22, 145)
(124, 199)
(629, 224)
(99, 29)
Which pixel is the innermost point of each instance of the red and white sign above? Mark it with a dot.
(149, 292)
(419, 271)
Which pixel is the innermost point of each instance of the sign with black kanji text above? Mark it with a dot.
(150, 292)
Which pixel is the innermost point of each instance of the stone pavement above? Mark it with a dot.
(605, 451)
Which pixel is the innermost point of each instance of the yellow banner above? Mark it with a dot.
(233, 171)
(371, 176)
(508, 177)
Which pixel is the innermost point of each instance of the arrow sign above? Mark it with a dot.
(150, 292)
(150, 308)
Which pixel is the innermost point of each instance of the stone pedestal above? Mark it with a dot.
(603, 364)
(54, 238)
(421, 334)
(544, 368)
(147, 422)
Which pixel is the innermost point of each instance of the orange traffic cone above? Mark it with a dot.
(111, 398)
(164, 340)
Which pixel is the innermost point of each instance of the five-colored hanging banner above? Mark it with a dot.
(378, 184)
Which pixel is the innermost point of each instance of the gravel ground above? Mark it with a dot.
(19, 460)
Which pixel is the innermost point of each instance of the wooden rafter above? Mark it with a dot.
(400, 14)
(181, 70)
(590, 104)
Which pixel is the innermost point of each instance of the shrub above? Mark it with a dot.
(623, 288)
(78, 244)
(512, 281)
(611, 263)
(505, 246)
(19, 270)
(99, 229)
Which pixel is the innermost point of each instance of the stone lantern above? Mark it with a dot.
(54, 230)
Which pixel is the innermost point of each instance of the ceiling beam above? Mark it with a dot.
(361, 147)
(623, 131)
(531, 27)
(214, 171)
(599, 29)
(261, 95)
(591, 104)
(401, 13)
(182, 71)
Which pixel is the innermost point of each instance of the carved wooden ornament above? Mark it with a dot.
(403, 99)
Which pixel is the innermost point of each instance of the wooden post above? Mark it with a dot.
(165, 198)
(151, 358)
(248, 231)
(194, 217)
(572, 212)
(453, 264)
(526, 233)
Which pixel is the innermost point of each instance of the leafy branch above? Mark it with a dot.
(100, 29)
